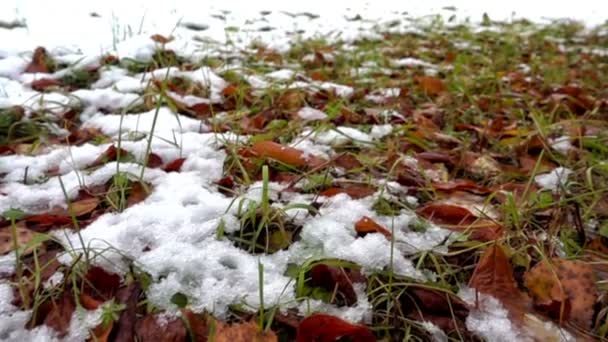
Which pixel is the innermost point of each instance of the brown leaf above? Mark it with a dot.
(60, 314)
(39, 62)
(493, 275)
(566, 289)
(367, 225)
(326, 328)
(125, 327)
(175, 166)
(154, 160)
(149, 329)
(24, 236)
(353, 190)
(44, 83)
(110, 154)
(284, 154)
(242, 332)
(431, 85)
(137, 193)
(161, 39)
(100, 284)
(101, 333)
(338, 279)
(461, 219)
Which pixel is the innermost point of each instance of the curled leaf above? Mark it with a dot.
(367, 225)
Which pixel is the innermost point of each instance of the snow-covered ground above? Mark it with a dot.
(172, 235)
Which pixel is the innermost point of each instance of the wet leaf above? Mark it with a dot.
(493, 275)
(565, 289)
(154, 160)
(367, 225)
(326, 328)
(175, 166)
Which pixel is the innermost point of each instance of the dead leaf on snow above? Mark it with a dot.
(326, 328)
(366, 225)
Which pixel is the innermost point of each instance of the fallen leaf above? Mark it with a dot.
(493, 275)
(39, 62)
(154, 160)
(137, 193)
(367, 225)
(100, 284)
(242, 332)
(565, 289)
(150, 329)
(326, 328)
(44, 83)
(431, 85)
(58, 313)
(24, 236)
(161, 39)
(284, 154)
(175, 166)
(101, 333)
(460, 219)
(352, 190)
(336, 279)
(125, 326)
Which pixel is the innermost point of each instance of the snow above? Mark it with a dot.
(554, 180)
(172, 235)
(308, 113)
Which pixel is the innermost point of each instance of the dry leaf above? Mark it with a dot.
(431, 85)
(284, 154)
(242, 332)
(493, 275)
(24, 236)
(566, 289)
(367, 225)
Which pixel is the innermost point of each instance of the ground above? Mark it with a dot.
(289, 177)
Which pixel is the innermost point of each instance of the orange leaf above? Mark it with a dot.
(367, 225)
(431, 85)
(566, 289)
(326, 328)
(284, 154)
(493, 275)
(89, 302)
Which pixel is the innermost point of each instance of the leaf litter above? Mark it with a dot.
(387, 185)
